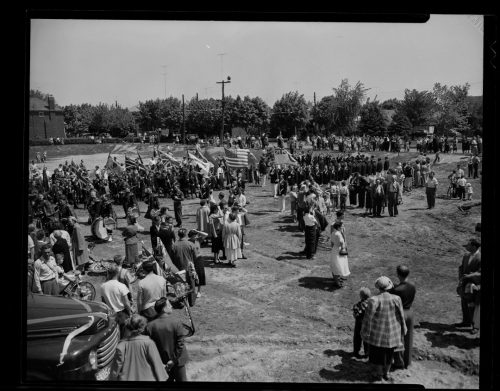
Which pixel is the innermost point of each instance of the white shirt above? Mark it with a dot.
(309, 220)
(113, 293)
(461, 182)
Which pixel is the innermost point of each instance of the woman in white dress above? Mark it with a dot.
(338, 262)
(231, 237)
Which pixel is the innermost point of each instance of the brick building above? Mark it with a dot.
(46, 119)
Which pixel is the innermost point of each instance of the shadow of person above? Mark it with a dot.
(349, 369)
(290, 255)
(439, 327)
(461, 341)
(322, 283)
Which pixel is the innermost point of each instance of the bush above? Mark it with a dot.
(33, 142)
(78, 140)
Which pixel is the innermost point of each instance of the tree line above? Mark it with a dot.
(346, 111)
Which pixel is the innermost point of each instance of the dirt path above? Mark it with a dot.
(276, 317)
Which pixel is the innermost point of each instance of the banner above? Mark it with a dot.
(282, 156)
(204, 167)
(112, 166)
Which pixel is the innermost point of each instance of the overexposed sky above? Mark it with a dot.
(92, 61)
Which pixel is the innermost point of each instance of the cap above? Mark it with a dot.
(384, 283)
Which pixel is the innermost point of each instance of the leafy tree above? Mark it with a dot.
(390, 104)
(400, 125)
(77, 118)
(150, 115)
(323, 113)
(418, 106)
(38, 94)
(372, 120)
(347, 106)
(203, 117)
(451, 107)
(289, 113)
(249, 113)
(475, 113)
(171, 113)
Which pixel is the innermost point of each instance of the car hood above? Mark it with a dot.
(51, 313)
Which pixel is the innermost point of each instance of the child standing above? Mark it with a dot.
(328, 202)
(344, 192)
(358, 311)
(293, 203)
(468, 190)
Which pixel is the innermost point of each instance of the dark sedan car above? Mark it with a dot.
(69, 339)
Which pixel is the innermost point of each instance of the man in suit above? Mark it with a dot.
(167, 236)
(470, 267)
(154, 232)
(168, 333)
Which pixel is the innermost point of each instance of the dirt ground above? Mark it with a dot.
(276, 317)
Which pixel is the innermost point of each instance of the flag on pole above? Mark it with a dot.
(202, 157)
(165, 157)
(114, 167)
(204, 167)
(236, 158)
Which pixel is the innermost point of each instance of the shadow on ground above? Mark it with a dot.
(290, 255)
(322, 283)
(350, 369)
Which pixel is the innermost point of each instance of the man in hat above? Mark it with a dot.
(383, 327)
(467, 272)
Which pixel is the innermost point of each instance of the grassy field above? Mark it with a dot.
(276, 316)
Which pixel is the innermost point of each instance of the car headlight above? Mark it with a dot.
(93, 359)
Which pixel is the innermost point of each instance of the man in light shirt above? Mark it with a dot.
(45, 273)
(151, 288)
(116, 295)
(461, 182)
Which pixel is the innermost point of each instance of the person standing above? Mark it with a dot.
(116, 295)
(392, 195)
(339, 265)
(475, 165)
(231, 237)
(80, 251)
(358, 311)
(131, 242)
(154, 232)
(167, 236)
(310, 224)
(184, 251)
(137, 357)
(378, 197)
(196, 237)
(406, 291)
(471, 264)
(282, 190)
(215, 231)
(61, 246)
(150, 289)
(169, 333)
(178, 197)
(45, 273)
(383, 327)
(430, 190)
(202, 217)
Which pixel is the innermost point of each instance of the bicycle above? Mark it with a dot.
(79, 289)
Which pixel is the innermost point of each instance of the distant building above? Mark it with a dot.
(46, 119)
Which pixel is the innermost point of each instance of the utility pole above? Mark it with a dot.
(222, 128)
(165, 79)
(183, 135)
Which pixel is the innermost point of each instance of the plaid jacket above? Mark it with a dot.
(383, 324)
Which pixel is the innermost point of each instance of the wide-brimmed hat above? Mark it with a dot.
(384, 283)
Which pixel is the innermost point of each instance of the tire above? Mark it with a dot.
(85, 291)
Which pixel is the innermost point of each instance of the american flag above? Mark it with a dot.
(236, 158)
(114, 167)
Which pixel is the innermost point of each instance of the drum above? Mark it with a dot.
(98, 229)
(134, 212)
(109, 223)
